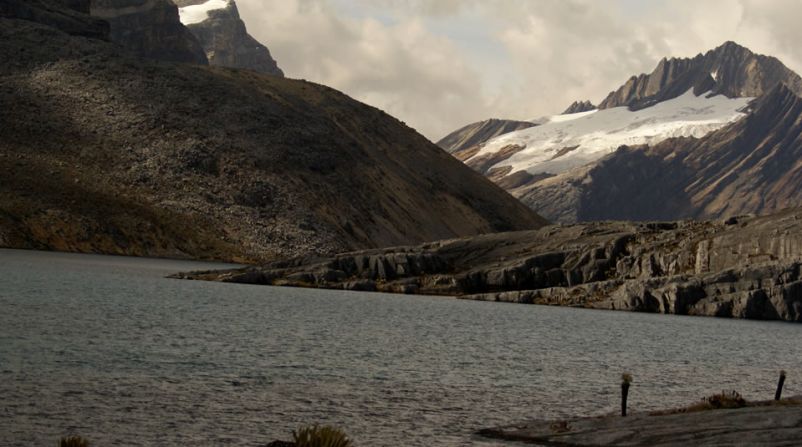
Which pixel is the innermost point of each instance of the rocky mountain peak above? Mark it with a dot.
(224, 37)
(730, 69)
(578, 107)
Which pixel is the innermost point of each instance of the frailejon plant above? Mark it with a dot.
(325, 436)
(74, 441)
(626, 380)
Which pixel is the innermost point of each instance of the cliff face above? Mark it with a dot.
(104, 152)
(150, 28)
(750, 166)
(741, 268)
(730, 69)
(224, 37)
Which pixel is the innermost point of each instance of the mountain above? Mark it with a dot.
(69, 16)
(753, 166)
(221, 32)
(563, 142)
(639, 155)
(101, 151)
(742, 268)
(730, 70)
(473, 135)
(150, 28)
(579, 107)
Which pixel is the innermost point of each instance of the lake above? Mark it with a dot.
(108, 348)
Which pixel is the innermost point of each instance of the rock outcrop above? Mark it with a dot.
(470, 137)
(101, 151)
(579, 107)
(750, 166)
(224, 37)
(730, 70)
(748, 267)
(69, 16)
(150, 28)
(767, 423)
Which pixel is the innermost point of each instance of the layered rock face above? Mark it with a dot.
(223, 35)
(150, 28)
(579, 107)
(467, 138)
(744, 268)
(751, 166)
(730, 70)
(104, 152)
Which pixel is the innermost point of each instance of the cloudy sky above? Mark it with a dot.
(440, 64)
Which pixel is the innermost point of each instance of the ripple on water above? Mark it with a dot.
(108, 348)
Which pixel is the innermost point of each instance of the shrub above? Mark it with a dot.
(74, 441)
(315, 436)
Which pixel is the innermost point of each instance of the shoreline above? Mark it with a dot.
(760, 423)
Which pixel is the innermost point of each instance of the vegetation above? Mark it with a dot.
(74, 441)
(720, 401)
(325, 436)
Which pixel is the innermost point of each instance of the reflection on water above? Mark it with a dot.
(108, 348)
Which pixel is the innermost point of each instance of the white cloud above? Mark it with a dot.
(439, 64)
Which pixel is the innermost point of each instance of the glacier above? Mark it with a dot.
(564, 142)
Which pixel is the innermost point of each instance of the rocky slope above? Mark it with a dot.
(466, 138)
(221, 32)
(68, 16)
(748, 267)
(104, 152)
(751, 166)
(730, 70)
(764, 423)
(149, 28)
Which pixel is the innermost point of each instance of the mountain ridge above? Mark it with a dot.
(747, 167)
(105, 152)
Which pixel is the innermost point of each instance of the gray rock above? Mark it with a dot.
(150, 28)
(227, 43)
(749, 270)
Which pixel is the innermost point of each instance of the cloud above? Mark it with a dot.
(439, 64)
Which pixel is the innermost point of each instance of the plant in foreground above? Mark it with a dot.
(626, 380)
(316, 436)
(74, 441)
(778, 394)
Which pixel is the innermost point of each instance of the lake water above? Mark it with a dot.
(106, 347)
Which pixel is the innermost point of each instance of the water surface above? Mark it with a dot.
(108, 348)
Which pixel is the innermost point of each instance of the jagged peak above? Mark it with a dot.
(735, 70)
(578, 107)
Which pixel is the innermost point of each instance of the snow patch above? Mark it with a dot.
(599, 132)
(198, 13)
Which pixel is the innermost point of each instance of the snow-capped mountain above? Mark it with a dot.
(555, 167)
(753, 166)
(563, 142)
(221, 32)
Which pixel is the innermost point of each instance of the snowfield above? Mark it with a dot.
(199, 13)
(563, 142)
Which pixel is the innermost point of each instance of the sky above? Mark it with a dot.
(438, 65)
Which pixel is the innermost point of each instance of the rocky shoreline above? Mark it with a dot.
(746, 267)
(775, 424)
